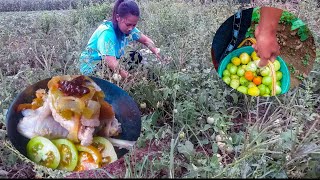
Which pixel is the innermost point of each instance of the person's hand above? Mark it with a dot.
(157, 53)
(161, 58)
(267, 47)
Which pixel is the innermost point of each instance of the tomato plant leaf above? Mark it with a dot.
(287, 17)
(297, 24)
(255, 15)
(303, 33)
(215, 148)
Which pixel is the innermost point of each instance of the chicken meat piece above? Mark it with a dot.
(94, 121)
(109, 125)
(39, 122)
(80, 128)
(86, 135)
(88, 125)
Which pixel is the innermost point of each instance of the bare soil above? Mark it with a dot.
(299, 54)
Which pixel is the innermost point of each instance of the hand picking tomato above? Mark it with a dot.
(106, 149)
(89, 158)
(68, 154)
(42, 151)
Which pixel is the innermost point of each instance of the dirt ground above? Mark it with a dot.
(298, 55)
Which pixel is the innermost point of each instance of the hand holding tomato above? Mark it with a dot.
(267, 47)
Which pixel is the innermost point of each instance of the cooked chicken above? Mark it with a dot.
(39, 122)
(67, 124)
(109, 124)
(94, 121)
(85, 135)
(122, 143)
(74, 108)
(110, 127)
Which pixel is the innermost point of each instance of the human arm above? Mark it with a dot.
(267, 46)
(106, 46)
(113, 64)
(145, 40)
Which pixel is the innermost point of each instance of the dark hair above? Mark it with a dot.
(123, 8)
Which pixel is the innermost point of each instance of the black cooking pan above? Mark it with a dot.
(125, 108)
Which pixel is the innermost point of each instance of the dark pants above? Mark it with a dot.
(134, 60)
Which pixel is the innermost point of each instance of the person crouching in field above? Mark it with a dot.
(108, 41)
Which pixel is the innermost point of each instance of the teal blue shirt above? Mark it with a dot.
(105, 42)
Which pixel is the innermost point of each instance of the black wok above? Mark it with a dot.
(126, 111)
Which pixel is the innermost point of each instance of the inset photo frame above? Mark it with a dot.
(263, 51)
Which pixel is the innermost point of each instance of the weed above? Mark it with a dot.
(300, 77)
(292, 69)
(305, 60)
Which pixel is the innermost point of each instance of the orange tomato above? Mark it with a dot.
(257, 80)
(249, 75)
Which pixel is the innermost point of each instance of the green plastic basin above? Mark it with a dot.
(285, 81)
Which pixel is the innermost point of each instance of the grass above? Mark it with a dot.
(276, 137)
(305, 60)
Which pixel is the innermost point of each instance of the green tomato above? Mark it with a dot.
(240, 72)
(268, 91)
(267, 80)
(251, 84)
(279, 83)
(42, 151)
(245, 58)
(229, 65)
(89, 158)
(233, 69)
(243, 89)
(265, 71)
(68, 154)
(270, 86)
(234, 76)
(262, 89)
(276, 65)
(251, 66)
(278, 90)
(226, 72)
(234, 83)
(226, 79)
(243, 81)
(106, 149)
(279, 75)
(258, 71)
(254, 74)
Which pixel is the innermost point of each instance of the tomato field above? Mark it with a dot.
(194, 125)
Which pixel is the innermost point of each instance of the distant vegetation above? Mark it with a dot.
(38, 5)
